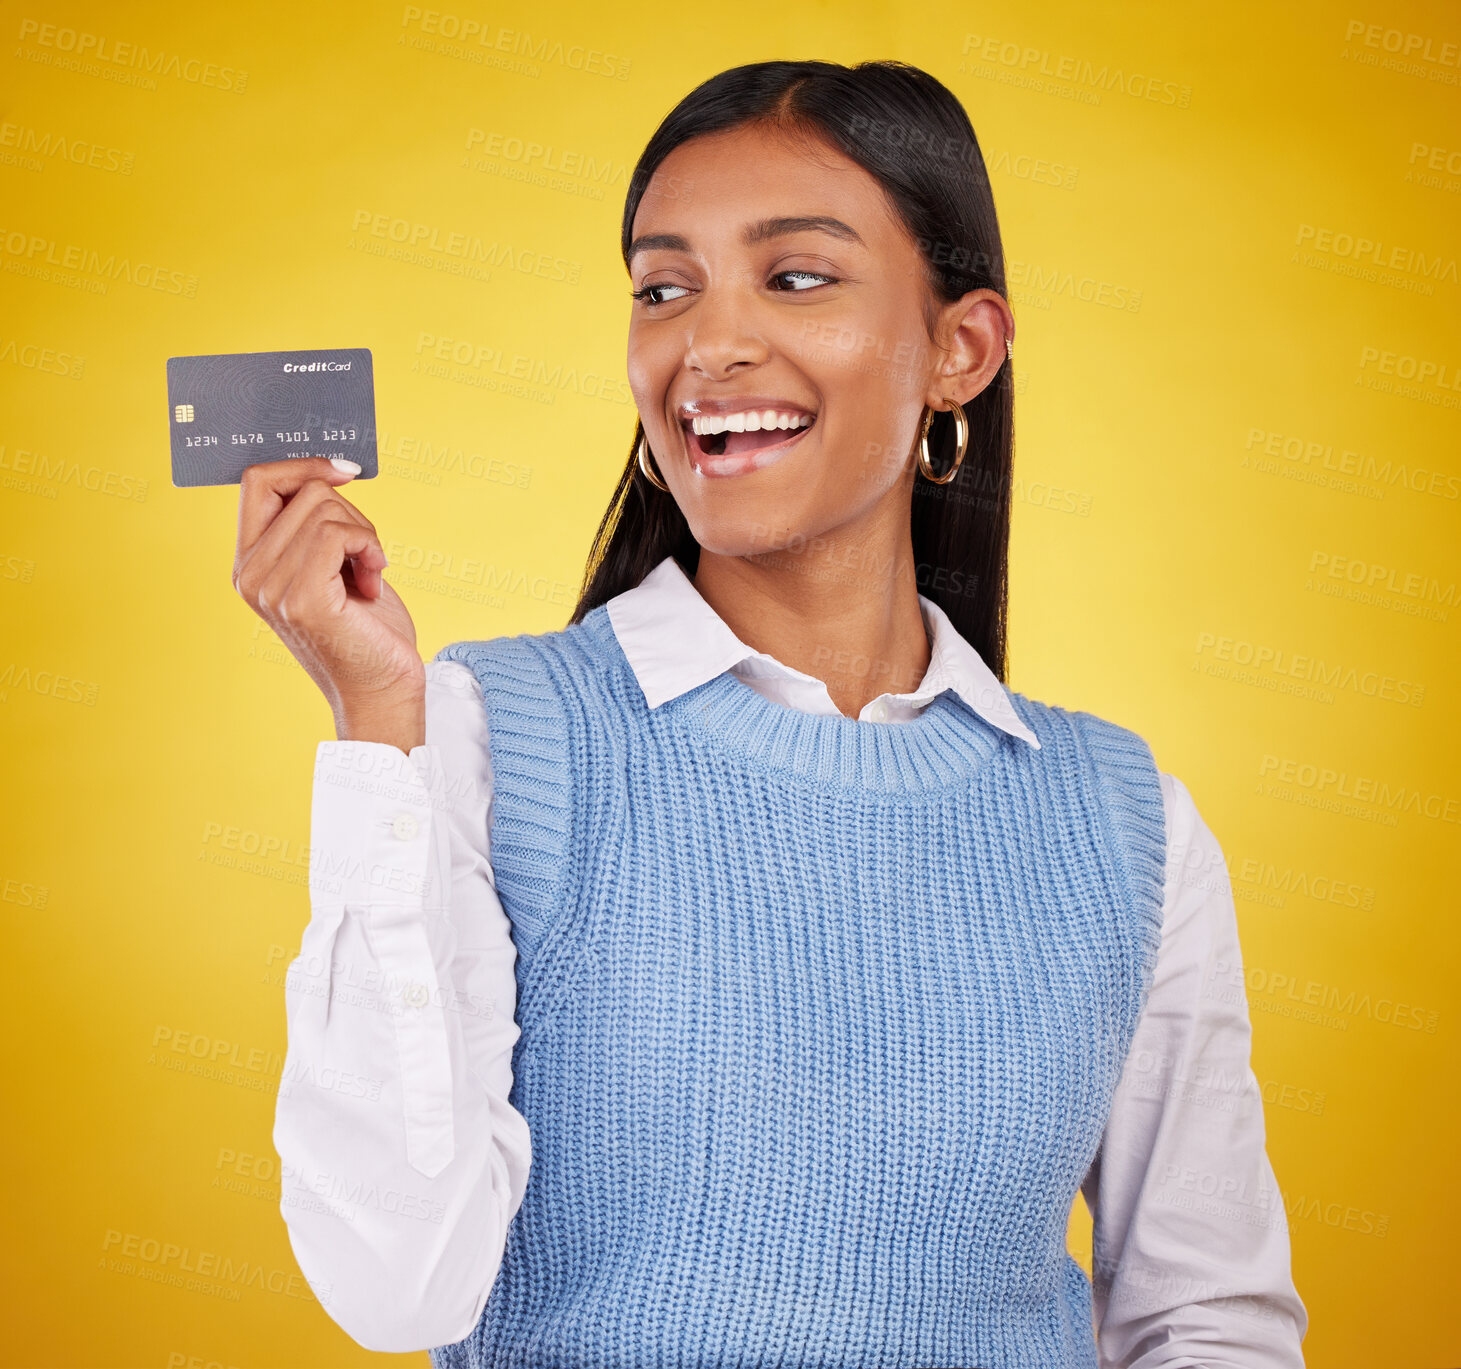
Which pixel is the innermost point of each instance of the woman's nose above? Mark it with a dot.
(724, 332)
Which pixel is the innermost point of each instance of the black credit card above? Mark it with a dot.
(228, 412)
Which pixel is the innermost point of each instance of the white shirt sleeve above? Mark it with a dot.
(402, 1161)
(1191, 1265)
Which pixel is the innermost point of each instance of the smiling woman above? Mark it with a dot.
(839, 237)
(824, 971)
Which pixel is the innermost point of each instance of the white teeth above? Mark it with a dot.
(750, 421)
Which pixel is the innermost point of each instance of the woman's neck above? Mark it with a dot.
(844, 613)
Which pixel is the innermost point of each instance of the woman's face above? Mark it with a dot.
(816, 328)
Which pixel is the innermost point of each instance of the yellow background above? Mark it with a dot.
(1185, 465)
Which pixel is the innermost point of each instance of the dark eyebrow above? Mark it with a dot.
(759, 231)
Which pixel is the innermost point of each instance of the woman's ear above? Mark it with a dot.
(971, 335)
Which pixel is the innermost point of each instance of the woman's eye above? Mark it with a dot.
(653, 294)
(803, 275)
(648, 292)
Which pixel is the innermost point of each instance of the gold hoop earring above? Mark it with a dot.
(925, 458)
(643, 452)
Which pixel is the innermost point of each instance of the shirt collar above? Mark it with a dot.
(675, 641)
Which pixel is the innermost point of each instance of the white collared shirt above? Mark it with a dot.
(403, 1161)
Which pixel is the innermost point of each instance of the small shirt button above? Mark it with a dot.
(414, 995)
(405, 827)
(880, 712)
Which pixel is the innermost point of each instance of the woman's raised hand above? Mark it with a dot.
(309, 563)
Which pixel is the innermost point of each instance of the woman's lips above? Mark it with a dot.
(742, 463)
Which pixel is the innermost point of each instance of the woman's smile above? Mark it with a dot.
(729, 437)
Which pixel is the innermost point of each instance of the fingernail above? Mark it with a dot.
(341, 464)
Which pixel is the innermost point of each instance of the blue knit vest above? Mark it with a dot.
(820, 1019)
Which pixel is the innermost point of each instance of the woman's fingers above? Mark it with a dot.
(267, 486)
(255, 560)
(304, 552)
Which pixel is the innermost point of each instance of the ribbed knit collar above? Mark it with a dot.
(947, 746)
(675, 642)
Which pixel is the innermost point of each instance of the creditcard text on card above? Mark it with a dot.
(233, 410)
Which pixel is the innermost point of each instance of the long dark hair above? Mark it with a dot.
(908, 131)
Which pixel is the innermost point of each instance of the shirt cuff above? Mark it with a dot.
(371, 824)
